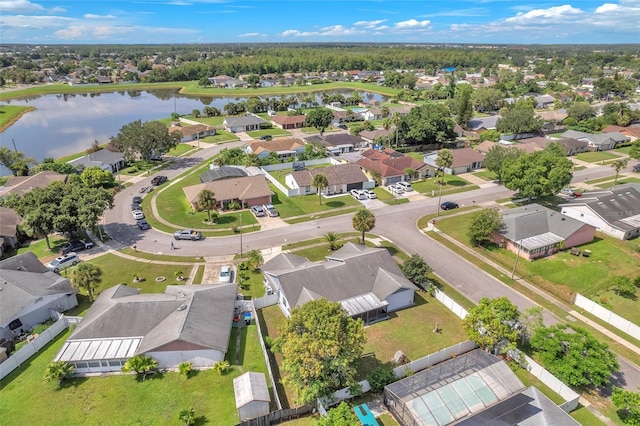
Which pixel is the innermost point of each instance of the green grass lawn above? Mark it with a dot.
(181, 149)
(578, 168)
(621, 180)
(596, 156)
(141, 166)
(416, 155)
(221, 136)
(274, 131)
(122, 399)
(40, 249)
(9, 114)
(426, 186)
(279, 175)
(486, 175)
(306, 204)
(624, 150)
(600, 180)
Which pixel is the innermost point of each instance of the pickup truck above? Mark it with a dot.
(187, 234)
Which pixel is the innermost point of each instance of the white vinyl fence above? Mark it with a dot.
(451, 304)
(31, 348)
(607, 316)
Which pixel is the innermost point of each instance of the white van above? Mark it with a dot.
(358, 194)
(405, 185)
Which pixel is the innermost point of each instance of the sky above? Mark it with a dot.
(302, 21)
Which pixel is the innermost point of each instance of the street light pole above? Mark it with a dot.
(515, 265)
(240, 234)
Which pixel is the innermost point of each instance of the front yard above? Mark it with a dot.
(453, 184)
(306, 204)
(596, 156)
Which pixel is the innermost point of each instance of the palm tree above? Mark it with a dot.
(187, 416)
(363, 221)
(207, 201)
(444, 160)
(396, 118)
(222, 366)
(86, 276)
(320, 182)
(251, 160)
(410, 172)
(255, 259)
(619, 165)
(57, 371)
(185, 368)
(384, 111)
(332, 239)
(141, 364)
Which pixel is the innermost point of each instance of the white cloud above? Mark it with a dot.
(93, 16)
(552, 14)
(252, 35)
(412, 23)
(25, 6)
(369, 24)
(23, 21)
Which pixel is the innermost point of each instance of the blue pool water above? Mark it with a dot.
(365, 415)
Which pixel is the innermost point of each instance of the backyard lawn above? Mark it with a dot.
(596, 156)
(122, 399)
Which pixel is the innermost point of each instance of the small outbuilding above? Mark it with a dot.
(252, 395)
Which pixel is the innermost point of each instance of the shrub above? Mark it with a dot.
(380, 377)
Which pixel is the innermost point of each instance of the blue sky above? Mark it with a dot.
(417, 21)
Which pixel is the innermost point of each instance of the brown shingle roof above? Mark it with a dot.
(388, 162)
(243, 188)
(288, 119)
(465, 156)
(193, 129)
(276, 145)
(22, 184)
(341, 174)
(8, 222)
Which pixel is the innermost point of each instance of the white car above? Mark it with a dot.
(370, 194)
(137, 214)
(358, 194)
(225, 274)
(404, 185)
(395, 189)
(63, 262)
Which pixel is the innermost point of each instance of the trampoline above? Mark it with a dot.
(365, 415)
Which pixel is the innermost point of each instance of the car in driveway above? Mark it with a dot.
(257, 211)
(570, 192)
(135, 207)
(225, 274)
(143, 224)
(158, 180)
(449, 205)
(370, 194)
(137, 214)
(187, 234)
(62, 262)
(270, 210)
(395, 189)
(358, 194)
(406, 186)
(76, 245)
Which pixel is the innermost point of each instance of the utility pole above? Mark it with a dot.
(240, 234)
(515, 265)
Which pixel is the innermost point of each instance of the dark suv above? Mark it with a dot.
(158, 180)
(76, 245)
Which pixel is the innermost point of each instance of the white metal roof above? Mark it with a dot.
(363, 303)
(97, 349)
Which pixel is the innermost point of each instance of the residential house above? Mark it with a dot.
(289, 121)
(464, 160)
(28, 294)
(391, 165)
(105, 159)
(186, 323)
(223, 172)
(341, 143)
(534, 231)
(371, 113)
(366, 281)
(20, 185)
(615, 212)
(244, 123)
(485, 146)
(632, 132)
(247, 191)
(554, 116)
(341, 178)
(193, 132)
(544, 101)
(8, 229)
(252, 395)
(370, 136)
(482, 124)
(599, 141)
(570, 145)
(283, 147)
(224, 81)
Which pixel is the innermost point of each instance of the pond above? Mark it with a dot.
(67, 124)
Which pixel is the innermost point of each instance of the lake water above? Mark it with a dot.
(66, 124)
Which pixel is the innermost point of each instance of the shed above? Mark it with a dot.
(252, 395)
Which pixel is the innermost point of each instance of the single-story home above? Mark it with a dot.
(481, 124)
(632, 132)
(20, 185)
(252, 395)
(341, 178)
(571, 146)
(8, 229)
(341, 143)
(554, 116)
(534, 231)
(464, 160)
(222, 172)
(485, 146)
(105, 159)
(370, 136)
(289, 121)
(391, 165)
(544, 101)
(366, 281)
(28, 294)
(186, 323)
(193, 132)
(282, 147)
(245, 123)
(615, 212)
(248, 191)
(225, 81)
(597, 142)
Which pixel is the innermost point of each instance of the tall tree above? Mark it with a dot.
(519, 119)
(574, 356)
(634, 152)
(443, 161)
(95, 177)
(86, 276)
(482, 226)
(319, 182)
(363, 221)
(340, 415)
(15, 161)
(538, 173)
(492, 321)
(487, 99)
(462, 102)
(145, 139)
(207, 201)
(320, 345)
(628, 405)
(498, 156)
(429, 124)
(57, 371)
(618, 165)
(320, 118)
(416, 270)
(396, 119)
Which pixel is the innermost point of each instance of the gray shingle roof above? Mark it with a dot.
(250, 387)
(223, 172)
(340, 174)
(245, 120)
(619, 207)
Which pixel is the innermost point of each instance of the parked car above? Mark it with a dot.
(137, 214)
(135, 207)
(136, 200)
(143, 224)
(370, 194)
(257, 211)
(395, 189)
(144, 189)
(271, 211)
(247, 318)
(266, 137)
(158, 180)
(449, 205)
(570, 192)
(225, 274)
(76, 245)
(62, 262)
(187, 234)
(636, 168)
(358, 194)
(405, 185)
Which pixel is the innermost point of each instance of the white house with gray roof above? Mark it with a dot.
(366, 281)
(597, 141)
(105, 159)
(28, 294)
(244, 123)
(615, 212)
(189, 323)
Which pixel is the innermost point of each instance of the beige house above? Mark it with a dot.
(248, 191)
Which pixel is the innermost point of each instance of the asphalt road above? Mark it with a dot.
(396, 223)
